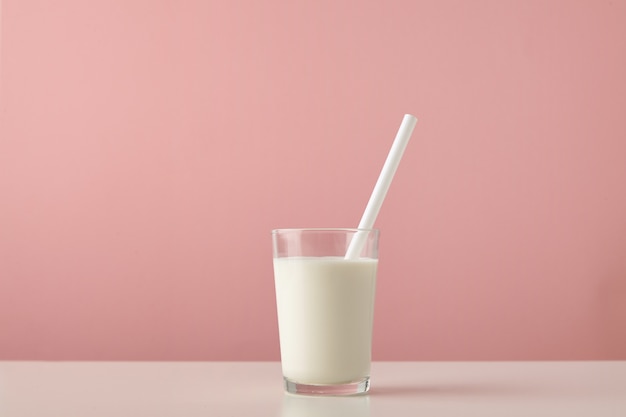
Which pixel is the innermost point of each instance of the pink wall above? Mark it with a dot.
(148, 147)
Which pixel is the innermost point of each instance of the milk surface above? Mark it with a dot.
(325, 313)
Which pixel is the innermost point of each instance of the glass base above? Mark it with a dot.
(350, 388)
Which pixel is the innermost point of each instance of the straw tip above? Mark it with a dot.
(410, 116)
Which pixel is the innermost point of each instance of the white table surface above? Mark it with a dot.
(428, 389)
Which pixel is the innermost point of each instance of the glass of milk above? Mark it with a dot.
(325, 306)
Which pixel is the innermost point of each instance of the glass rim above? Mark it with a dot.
(324, 229)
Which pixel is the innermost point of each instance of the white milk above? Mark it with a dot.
(325, 314)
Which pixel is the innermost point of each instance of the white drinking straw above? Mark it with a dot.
(382, 185)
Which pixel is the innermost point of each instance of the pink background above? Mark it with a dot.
(148, 147)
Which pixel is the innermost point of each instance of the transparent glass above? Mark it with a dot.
(325, 306)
